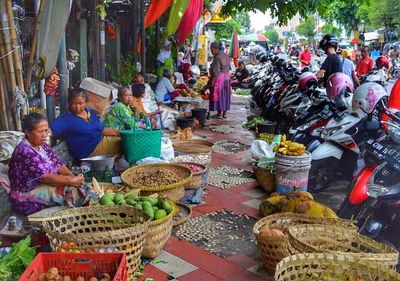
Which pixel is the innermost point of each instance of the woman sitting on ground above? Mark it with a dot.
(240, 76)
(165, 92)
(38, 178)
(120, 117)
(140, 113)
(82, 130)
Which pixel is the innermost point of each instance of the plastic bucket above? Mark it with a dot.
(184, 122)
(200, 114)
(266, 127)
(291, 172)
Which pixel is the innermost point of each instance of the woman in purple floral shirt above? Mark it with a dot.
(38, 178)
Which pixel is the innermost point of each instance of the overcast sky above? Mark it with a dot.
(259, 20)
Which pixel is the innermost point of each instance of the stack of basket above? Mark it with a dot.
(303, 234)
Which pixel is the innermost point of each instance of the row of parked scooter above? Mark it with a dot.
(351, 134)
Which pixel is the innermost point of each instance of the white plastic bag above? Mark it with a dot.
(261, 149)
(167, 150)
(195, 70)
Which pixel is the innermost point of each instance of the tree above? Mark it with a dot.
(307, 28)
(331, 29)
(384, 13)
(224, 30)
(272, 36)
(243, 19)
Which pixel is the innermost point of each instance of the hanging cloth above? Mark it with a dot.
(176, 13)
(156, 9)
(234, 49)
(192, 14)
(52, 26)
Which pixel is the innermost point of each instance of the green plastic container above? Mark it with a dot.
(139, 144)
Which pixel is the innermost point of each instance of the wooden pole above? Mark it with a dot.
(17, 58)
(3, 108)
(10, 63)
(135, 8)
(34, 46)
(143, 35)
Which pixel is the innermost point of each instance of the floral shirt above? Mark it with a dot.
(28, 165)
(120, 117)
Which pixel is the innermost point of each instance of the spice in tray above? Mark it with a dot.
(194, 168)
(155, 178)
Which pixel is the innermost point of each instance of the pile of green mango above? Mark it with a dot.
(157, 208)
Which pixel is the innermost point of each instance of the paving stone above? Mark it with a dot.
(260, 271)
(173, 265)
(253, 203)
(255, 193)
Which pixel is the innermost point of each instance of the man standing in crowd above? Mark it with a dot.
(348, 67)
(375, 53)
(305, 57)
(366, 64)
(329, 44)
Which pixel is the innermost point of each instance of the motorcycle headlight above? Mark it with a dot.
(375, 187)
(325, 133)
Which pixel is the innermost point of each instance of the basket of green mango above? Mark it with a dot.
(160, 210)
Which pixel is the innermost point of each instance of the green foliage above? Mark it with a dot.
(224, 30)
(127, 71)
(384, 13)
(307, 28)
(243, 19)
(101, 8)
(331, 29)
(272, 35)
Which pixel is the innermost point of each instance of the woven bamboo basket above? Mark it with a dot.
(274, 248)
(199, 179)
(174, 192)
(331, 267)
(309, 238)
(158, 234)
(99, 228)
(193, 146)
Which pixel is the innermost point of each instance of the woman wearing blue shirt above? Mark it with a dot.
(82, 130)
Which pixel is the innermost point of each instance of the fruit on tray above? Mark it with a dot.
(290, 148)
(155, 207)
(300, 202)
(266, 232)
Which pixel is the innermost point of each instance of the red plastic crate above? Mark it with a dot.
(80, 264)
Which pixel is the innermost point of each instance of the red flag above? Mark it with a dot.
(192, 14)
(156, 9)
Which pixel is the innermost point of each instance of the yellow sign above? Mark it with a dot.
(216, 18)
(203, 50)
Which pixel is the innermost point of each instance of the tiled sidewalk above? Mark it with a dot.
(185, 261)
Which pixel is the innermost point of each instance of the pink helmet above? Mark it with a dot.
(307, 79)
(338, 83)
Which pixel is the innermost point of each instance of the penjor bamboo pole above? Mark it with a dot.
(34, 46)
(17, 58)
(3, 107)
(9, 62)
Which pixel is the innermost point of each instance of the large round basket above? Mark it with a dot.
(200, 178)
(193, 146)
(98, 229)
(309, 238)
(331, 267)
(174, 192)
(274, 248)
(158, 234)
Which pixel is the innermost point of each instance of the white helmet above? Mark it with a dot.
(367, 96)
(375, 78)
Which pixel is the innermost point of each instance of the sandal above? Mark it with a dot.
(224, 116)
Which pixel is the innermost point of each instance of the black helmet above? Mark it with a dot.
(263, 58)
(259, 55)
(275, 59)
(280, 63)
(329, 40)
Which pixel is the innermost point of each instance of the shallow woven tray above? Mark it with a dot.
(308, 238)
(274, 249)
(99, 227)
(158, 234)
(193, 146)
(183, 214)
(331, 267)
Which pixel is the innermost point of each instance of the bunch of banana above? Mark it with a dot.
(290, 148)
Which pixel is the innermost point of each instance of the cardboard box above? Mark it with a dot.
(99, 94)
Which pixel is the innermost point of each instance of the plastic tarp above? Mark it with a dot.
(176, 13)
(52, 26)
(156, 9)
(192, 14)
